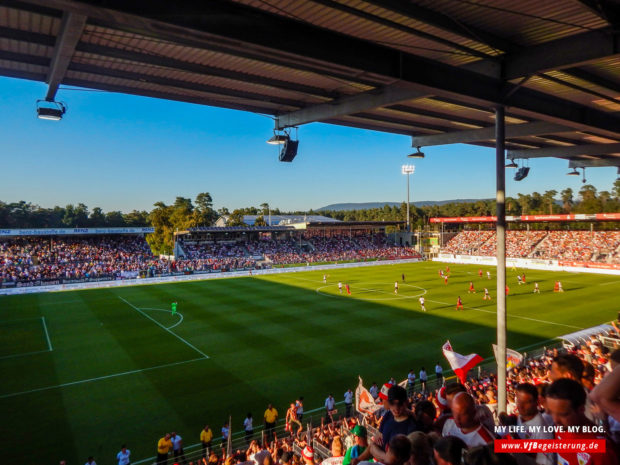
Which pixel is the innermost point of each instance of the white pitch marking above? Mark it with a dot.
(24, 354)
(396, 297)
(47, 336)
(47, 388)
(513, 316)
(164, 328)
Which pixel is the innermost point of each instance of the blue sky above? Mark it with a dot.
(121, 152)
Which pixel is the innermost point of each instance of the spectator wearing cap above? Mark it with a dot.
(361, 444)
(464, 423)
(383, 397)
(307, 454)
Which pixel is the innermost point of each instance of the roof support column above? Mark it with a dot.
(500, 201)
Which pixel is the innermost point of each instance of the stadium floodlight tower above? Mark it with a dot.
(408, 170)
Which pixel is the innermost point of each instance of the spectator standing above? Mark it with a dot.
(439, 373)
(248, 428)
(123, 456)
(348, 402)
(291, 420)
(534, 423)
(225, 433)
(271, 417)
(360, 445)
(163, 448)
(410, 382)
(330, 404)
(177, 448)
(206, 437)
(423, 379)
(90, 461)
(299, 404)
(374, 390)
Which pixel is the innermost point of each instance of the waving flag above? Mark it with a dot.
(513, 358)
(364, 402)
(460, 364)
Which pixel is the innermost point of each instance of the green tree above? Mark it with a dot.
(114, 219)
(260, 221)
(567, 199)
(236, 218)
(204, 214)
(97, 218)
(549, 200)
(161, 241)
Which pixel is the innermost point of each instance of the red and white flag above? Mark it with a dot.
(460, 364)
(364, 402)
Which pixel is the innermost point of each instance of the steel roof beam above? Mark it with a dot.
(488, 133)
(567, 151)
(241, 28)
(594, 163)
(71, 29)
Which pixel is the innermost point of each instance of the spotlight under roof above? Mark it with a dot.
(50, 110)
(416, 154)
(573, 173)
(278, 139)
(512, 164)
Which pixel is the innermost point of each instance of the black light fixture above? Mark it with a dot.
(512, 164)
(522, 173)
(416, 154)
(573, 173)
(50, 110)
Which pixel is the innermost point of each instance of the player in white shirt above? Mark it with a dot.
(536, 289)
(395, 287)
(422, 303)
(486, 294)
(488, 275)
(519, 279)
(324, 279)
(340, 286)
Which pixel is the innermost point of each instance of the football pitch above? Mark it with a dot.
(85, 371)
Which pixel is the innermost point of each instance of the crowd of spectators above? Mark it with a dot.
(40, 260)
(580, 246)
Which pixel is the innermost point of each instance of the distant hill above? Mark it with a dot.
(366, 205)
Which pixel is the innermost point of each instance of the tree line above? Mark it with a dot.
(186, 213)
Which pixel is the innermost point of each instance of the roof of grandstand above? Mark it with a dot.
(235, 228)
(280, 219)
(554, 68)
(580, 337)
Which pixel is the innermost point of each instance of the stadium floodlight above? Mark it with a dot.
(573, 173)
(50, 110)
(407, 170)
(512, 164)
(278, 139)
(416, 154)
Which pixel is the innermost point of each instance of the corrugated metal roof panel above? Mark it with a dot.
(28, 21)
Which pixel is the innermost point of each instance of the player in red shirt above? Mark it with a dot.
(445, 280)
(480, 272)
(447, 269)
(507, 289)
(459, 303)
(471, 288)
(566, 401)
(346, 286)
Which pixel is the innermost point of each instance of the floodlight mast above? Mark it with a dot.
(408, 170)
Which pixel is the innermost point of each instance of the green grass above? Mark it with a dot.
(269, 339)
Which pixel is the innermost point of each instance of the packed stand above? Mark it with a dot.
(580, 246)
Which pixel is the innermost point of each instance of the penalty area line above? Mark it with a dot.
(47, 335)
(98, 378)
(513, 316)
(164, 328)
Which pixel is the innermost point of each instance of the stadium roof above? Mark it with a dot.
(430, 69)
(281, 219)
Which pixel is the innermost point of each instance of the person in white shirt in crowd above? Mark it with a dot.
(439, 373)
(532, 419)
(330, 404)
(123, 456)
(423, 379)
(177, 448)
(348, 402)
(410, 382)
